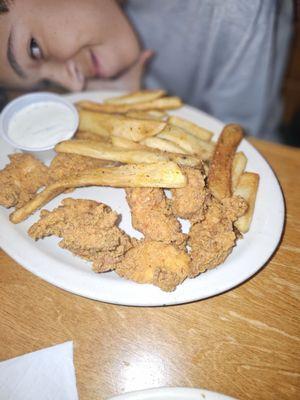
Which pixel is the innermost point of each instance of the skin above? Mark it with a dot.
(73, 45)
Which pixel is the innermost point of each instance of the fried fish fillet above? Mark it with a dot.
(213, 238)
(189, 202)
(152, 215)
(88, 229)
(158, 263)
(21, 179)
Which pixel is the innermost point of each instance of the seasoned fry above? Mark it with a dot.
(164, 103)
(161, 175)
(186, 160)
(126, 143)
(119, 125)
(91, 136)
(93, 122)
(190, 127)
(219, 176)
(151, 114)
(239, 163)
(247, 188)
(141, 96)
(187, 141)
(136, 129)
(42, 198)
(106, 151)
(163, 145)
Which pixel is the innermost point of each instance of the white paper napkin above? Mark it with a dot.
(42, 375)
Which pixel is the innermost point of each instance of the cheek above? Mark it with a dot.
(116, 35)
(122, 48)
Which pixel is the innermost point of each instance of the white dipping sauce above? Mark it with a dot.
(41, 125)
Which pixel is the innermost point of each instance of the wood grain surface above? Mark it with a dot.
(244, 343)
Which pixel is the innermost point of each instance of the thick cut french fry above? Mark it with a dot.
(247, 188)
(124, 143)
(239, 163)
(82, 135)
(188, 142)
(106, 151)
(119, 125)
(141, 96)
(190, 127)
(136, 129)
(163, 145)
(151, 114)
(93, 122)
(164, 103)
(219, 176)
(187, 160)
(161, 175)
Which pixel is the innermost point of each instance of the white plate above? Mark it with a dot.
(59, 267)
(172, 393)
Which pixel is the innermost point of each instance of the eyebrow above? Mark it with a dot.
(12, 59)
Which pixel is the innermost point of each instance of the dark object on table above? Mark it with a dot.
(3, 98)
(291, 131)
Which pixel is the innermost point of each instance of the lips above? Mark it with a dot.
(97, 70)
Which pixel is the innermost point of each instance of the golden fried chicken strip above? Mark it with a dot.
(21, 179)
(154, 262)
(88, 229)
(189, 202)
(64, 165)
(152, 215)
(212, 239)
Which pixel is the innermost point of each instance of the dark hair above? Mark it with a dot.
(3, 6)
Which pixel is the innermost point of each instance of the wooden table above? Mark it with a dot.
(244, 343)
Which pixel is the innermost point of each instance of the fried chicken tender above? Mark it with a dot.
(152, 215)
(189, 202)
(21, 179)
(64, 165)
(154, 262)
(212, 239)
(88, 229)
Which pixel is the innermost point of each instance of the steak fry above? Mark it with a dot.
(219, 175)
(64, 165)
(165, 174)
(88, 229)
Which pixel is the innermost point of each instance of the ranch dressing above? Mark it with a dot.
(41, 125)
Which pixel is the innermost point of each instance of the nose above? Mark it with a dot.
(66, 74)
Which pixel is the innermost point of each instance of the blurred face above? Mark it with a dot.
(64, 41)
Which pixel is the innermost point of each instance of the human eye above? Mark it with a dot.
(35, 51)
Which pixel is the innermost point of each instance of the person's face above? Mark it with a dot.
(64, 41)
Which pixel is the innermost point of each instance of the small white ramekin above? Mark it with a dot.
(28, 99)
